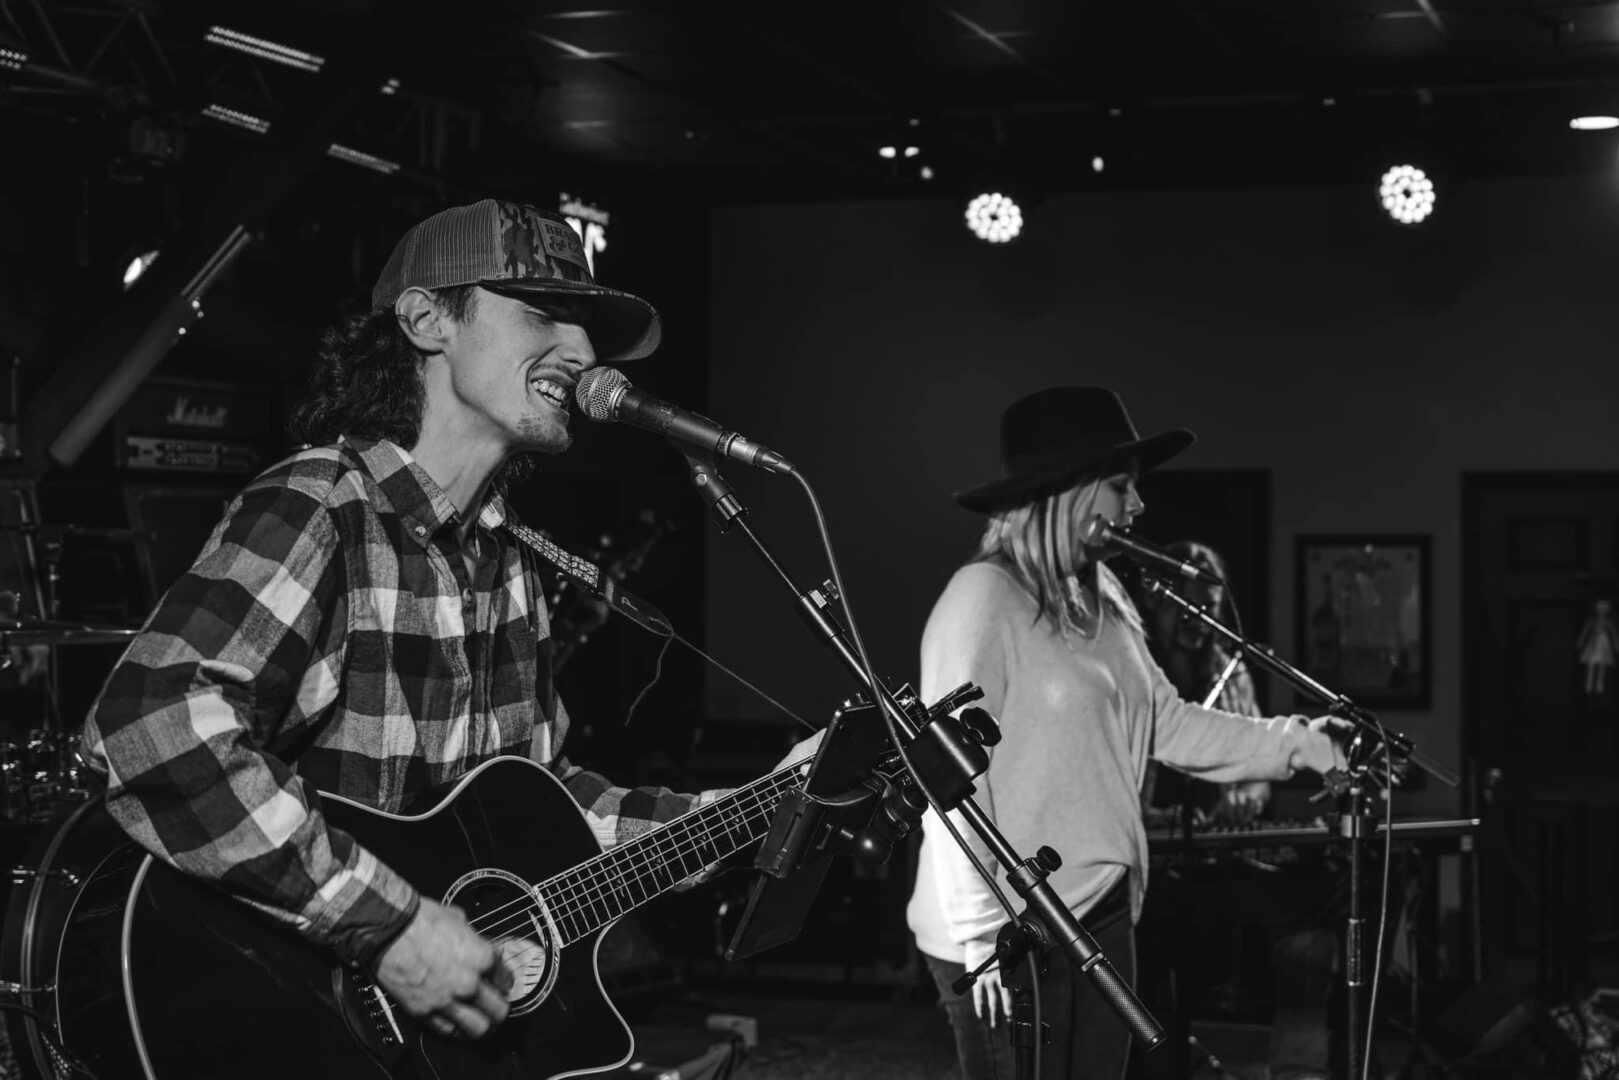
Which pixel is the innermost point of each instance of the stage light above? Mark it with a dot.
(925, 172)
(1097, 164)
(994, 217)
(245, 121)
(912, 151)
(138, 266)
(13, 59)
(1594, 123)
(362, 159)
(1407, 194)
(885, 152)
(264, 49)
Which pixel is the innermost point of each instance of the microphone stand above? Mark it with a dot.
(1026, 875)
(1357, 820)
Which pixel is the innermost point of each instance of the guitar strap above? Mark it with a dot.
(589, 576)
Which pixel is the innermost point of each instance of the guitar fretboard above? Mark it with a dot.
(594, 893)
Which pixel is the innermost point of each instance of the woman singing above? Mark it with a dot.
(1038, 622)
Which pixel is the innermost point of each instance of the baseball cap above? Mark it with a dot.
(517, 250)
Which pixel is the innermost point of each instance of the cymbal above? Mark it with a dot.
(21, 633)
(54, 532)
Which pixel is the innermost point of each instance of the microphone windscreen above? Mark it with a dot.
(596, 391)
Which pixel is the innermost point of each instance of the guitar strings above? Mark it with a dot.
(580, 906)
(574, 901)
(657, 852)
(677, 839)
(661, 848)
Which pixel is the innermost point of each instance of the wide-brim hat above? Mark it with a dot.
(517, 250)
(1057, 437)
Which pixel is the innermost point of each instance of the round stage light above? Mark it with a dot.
(994, 217)
(1407, 194)
(1594, 123)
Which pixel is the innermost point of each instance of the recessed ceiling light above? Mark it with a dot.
(1594, 123)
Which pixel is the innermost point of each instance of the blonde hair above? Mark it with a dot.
(1038, 544)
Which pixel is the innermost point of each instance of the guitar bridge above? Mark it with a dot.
(381, 1012)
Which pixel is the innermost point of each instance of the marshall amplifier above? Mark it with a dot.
(186, 426)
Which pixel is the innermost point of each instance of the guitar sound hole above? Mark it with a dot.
(503, 908)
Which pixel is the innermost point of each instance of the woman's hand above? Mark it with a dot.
(992, 1001)
(1242, 802)
(1321, 752)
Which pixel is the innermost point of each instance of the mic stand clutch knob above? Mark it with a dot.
(1047, 859)
(981, 727)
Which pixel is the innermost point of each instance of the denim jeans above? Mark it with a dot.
(1088, 1040)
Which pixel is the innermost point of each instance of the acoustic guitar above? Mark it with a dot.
(159, 976)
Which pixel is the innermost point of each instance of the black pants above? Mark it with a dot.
(1088, 1040)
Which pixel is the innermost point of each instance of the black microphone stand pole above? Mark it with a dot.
(1356, 822)
(1027, 876)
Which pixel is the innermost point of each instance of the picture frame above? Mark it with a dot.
(1363, 616)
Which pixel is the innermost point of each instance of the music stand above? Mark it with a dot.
(806, 832)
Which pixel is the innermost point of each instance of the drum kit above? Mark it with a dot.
(46, 788)
(40, 769)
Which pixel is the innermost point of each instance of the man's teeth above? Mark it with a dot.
(551, 391)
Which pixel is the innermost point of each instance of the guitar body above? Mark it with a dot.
(161, 977)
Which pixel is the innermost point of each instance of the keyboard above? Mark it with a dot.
(1308, 831)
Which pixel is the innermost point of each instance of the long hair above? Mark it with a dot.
(1038, 544)
(367, 381)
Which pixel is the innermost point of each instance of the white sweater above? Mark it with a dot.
(1079, 719)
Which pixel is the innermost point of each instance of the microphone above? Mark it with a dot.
(1099, 533)
(605, 395)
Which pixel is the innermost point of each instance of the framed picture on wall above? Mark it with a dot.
(1362, 617)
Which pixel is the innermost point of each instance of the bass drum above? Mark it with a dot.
(75, 877)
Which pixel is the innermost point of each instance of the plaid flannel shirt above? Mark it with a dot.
(329, 638)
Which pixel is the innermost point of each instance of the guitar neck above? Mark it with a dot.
(589, 896)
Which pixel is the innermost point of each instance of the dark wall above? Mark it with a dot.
(1365, 366)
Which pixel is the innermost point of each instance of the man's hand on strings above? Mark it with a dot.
(445, 973)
